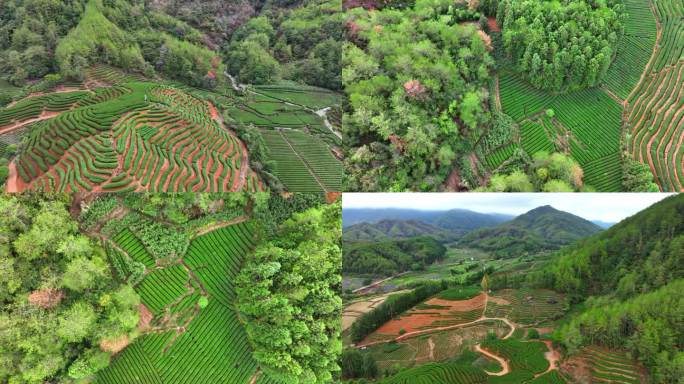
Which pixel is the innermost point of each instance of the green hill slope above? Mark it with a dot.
(543, 228)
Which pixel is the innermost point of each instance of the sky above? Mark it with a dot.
(609, 207)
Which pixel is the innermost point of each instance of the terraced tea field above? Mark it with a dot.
(572, 129)
(602, 365)
(638, 109)
(527, 306)
(117, 132)
(185, 342)
(655, 109)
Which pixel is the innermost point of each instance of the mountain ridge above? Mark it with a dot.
(541, 229)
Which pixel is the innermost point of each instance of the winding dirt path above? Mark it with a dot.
(375, 284)
(552, 356)
(255, 376)
(504, 363)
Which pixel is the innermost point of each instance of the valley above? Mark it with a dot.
(504, 311)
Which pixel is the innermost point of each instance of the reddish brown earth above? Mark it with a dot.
(46, 298)
(145, 317)
(14, 183)
(419, 319)
(493, 26)
(114, 345)
(45, 115)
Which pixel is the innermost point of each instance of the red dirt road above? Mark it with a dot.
(14, 183)
(417, 320)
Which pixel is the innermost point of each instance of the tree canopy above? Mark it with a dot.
(289, 293)
(416, 81)
(561, 45)
(61, 305)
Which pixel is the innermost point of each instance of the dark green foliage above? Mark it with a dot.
(648, 326)
(637, 255)
(357, 364)
(271, 210)
(393, 306)
(302, 43)
(392, 229)
(287, 291)
(637, 177)
(561, 46)
(391, 256)
(543, 228)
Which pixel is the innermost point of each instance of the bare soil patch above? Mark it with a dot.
(493, 25)
(145, 317)
(114, 345)
(417, 320)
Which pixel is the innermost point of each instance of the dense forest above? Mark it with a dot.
(391, 256)
(416, 82)
(288, 291)
(630, 279)
(63, 313)
(182, 40)
(561, 46)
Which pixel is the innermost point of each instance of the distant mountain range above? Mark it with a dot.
(603, 224)
(393, 229)
(456, 221)
(543, 228)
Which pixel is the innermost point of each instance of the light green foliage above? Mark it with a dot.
(414, 79)
(52, 333)
(288, 292)
(96, 39)
(77, 322)
(82, 273)
(546, 172)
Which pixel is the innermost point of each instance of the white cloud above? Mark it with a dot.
(592, 206)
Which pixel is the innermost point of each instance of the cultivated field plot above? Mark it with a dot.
(432, 313)
(634, 50)
(526, 306)
(185, 342)
(439, 374)
(525, 359)
(434, 347)
(574, 129)
(125, 136)
(655, 109)
(300, 139)
(302, 163)
(598, 364)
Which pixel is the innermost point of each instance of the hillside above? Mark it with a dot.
(391, 229)
(74, 121)
(389, 257)
(637, 255)
(543, 228)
